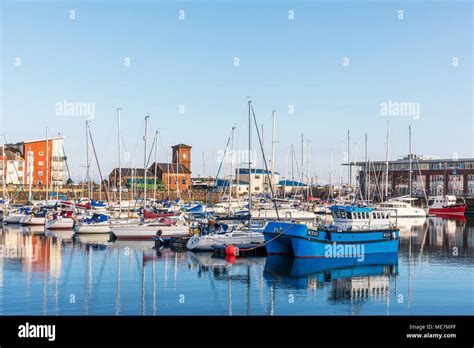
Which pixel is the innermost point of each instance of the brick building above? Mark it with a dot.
(35, 162)
(173, 176)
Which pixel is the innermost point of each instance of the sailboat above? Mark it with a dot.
(166, 226)
(206, 239)
(401, 207)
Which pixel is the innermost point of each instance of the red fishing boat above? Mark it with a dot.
(445, 205)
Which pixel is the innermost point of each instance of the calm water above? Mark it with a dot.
(55, 274)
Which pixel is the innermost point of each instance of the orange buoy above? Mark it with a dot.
(231, 250)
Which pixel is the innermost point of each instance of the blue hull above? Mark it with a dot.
(299, 240)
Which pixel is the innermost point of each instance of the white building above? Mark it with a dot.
(261, 179)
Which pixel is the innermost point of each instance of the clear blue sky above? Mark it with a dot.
(282, 62)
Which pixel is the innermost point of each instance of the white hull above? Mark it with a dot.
(148, 231)
(92, 228)
(407, 213)
(13, 218)
(31, 220)
(284, 215)
(60, 224)
(206, 242)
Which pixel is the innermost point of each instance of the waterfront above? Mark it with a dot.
(53, 274)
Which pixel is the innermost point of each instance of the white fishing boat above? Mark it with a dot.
(401, 207)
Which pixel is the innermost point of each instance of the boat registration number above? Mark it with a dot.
(387, 234)
(313, 233)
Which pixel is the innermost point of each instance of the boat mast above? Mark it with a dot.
(57, 181)
(3, 167)
(307, 168)
(367, 169)
(349, 179)
(330, 174)
(231, 168)
(250, 160)
(144, 163)
(292, 170)
(87, 161)
(120, 162)
(386, 159)
(302, 163)
(410, 158)
(156, 159)
(273, 145)
(47, 166)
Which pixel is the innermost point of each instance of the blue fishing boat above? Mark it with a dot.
(355, 232)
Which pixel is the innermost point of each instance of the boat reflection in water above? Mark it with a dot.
(347, 276)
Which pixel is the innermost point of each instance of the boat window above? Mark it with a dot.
(343, 214)
(349, 215)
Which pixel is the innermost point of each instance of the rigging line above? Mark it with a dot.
(68, 172)
(218, 171)
(98, 167)
(140, 132)
(266, 166)
(152, 148)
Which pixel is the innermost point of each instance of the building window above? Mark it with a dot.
(40, 163)
(41, 153)
(257, 188)
(40, 173)
(257, 176)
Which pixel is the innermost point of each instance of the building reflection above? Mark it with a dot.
(33, 252)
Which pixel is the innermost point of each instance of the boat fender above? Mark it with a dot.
(328, 235)
(394, 235)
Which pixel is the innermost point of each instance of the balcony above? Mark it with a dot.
(59, 158)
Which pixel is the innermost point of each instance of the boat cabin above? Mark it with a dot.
(353, 217)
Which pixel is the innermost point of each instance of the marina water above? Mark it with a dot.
(58, 274)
